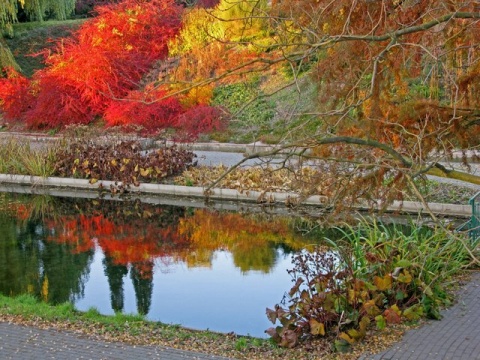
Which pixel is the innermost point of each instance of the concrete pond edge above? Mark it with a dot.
(272, 198)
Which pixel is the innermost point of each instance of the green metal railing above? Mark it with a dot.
(474, 224)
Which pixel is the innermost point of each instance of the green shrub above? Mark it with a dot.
(250, 109)
(375, 275)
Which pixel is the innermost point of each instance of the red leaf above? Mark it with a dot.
(392, 317)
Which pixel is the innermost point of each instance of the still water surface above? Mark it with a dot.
(195, 267)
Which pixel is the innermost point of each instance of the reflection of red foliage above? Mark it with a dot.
(137, 242)
(144, 269)
(67, 231)
(21, 211)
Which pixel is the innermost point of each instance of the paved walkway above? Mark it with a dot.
(19, 342)
(455, 337)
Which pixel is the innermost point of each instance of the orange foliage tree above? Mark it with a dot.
(398, 88)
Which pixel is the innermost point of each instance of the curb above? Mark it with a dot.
(223, 147)
(437, 208)
(162, 189)
(227, 194)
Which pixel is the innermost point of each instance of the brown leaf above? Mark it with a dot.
(273, 333)
(289, 339)
(383, 283)
(295, 287)
(271, 315)
(316, 327)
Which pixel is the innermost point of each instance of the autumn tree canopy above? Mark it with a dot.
(398, 88)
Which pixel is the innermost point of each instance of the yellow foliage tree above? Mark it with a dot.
(212, 41)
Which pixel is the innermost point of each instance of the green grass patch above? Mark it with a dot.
(22, 28)
(267, 110)
(135, 329)
(19, 158)
(28, 306)
(34, 37)
(251, 112)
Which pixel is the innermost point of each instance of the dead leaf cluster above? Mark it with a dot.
(303, 181)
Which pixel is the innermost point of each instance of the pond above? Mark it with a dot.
(197, 267)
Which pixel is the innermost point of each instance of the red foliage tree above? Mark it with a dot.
(56, 103)
(156, 110)
(147, 110)
(14, 94)
(105, 60)
(97, 74)
(197, 120)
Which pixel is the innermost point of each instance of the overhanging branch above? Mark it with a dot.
(407, 30)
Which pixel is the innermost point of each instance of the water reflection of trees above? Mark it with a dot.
(115, 274)
(142, 275)
(252, 239)
(131, 236)
(51, 257)
(32, 265)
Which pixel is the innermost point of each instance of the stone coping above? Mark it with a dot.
(272, 198)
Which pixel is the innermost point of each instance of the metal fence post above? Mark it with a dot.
(474, 225)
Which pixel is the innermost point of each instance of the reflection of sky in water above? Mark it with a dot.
(190, 267)
(220, 298)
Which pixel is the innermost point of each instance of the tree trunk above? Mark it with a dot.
(6, 57)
